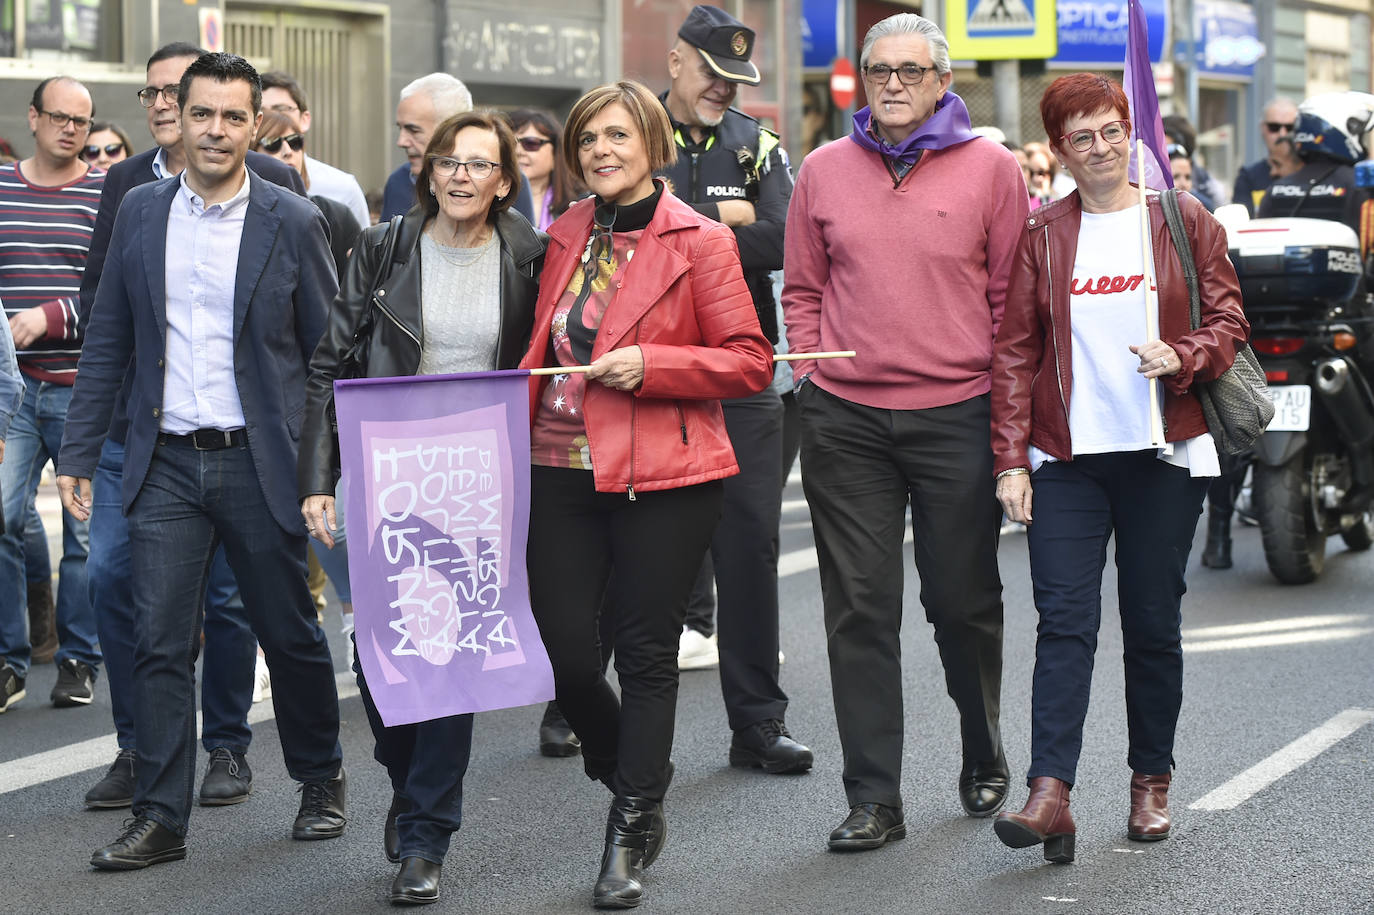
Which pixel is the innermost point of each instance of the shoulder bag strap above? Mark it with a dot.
(1173, 217)
(393, 229)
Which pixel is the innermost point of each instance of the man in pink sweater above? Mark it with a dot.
(898, 245)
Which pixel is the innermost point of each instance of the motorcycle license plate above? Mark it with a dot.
(1292, 407)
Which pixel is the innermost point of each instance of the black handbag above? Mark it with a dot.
(1237, 405)
(353, 363)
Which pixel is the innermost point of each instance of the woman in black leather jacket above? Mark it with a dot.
(457, 296)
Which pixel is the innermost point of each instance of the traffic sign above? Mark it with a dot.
(1001, 29)
(843, 83)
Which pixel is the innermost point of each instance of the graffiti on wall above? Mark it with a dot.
(523, 47)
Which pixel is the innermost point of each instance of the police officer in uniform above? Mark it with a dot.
(732, 169)
(1324, 188)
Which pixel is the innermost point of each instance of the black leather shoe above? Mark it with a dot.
(144, 842)
(116, 789)
(868, 826)
(619, 885)
(983, 787)
(417, 883)
(556, 737)
(391, 836)
(766, 745)
(228, 780)
(322, 809)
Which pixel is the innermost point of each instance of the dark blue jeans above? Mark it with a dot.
(426, 762)
(190, 503)
(35, 435)
(1152, 508)
(230, 649)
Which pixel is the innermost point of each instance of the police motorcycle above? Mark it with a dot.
(1305, 290)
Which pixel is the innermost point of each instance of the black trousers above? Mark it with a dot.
(426, 763)
(654, 545)
(861, 466)
(743, 563)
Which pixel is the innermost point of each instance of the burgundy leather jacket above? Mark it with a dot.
(1032, 370)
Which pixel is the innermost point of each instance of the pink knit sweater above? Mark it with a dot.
(913, 278)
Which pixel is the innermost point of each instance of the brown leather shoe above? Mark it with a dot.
(1149, 820)
(1044, 819)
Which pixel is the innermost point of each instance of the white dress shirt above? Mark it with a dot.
(198, 387)
(337, 184)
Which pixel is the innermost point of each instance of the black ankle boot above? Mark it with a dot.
(1217, 553)
(622, 863)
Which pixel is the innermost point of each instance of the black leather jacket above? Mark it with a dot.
(397, 331)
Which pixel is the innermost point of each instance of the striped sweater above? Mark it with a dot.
(45, 233)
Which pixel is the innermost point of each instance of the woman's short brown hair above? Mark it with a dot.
(646, 111)
(441, 144)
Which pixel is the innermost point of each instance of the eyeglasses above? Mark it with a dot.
(147, 96)
(91, 153)
(446, 167)
(1277, 127)
(1175, 149)
(284, 108)
(532, 144)
(294, 140)
(1112, 132)
(907, 74)
(60, 120)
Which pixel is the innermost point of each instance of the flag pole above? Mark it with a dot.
(781, 357)
(1151, 293)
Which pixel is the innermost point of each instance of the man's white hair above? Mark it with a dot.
(910, 24)
(448, 94)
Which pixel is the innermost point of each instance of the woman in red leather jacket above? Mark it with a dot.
(1071, 421)
(628, 457)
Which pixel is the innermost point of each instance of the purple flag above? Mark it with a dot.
(1139, 83)
(436, 482)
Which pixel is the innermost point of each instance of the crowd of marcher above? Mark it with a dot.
(180, 315)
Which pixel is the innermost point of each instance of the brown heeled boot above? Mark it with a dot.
(1149, 821)
(1044, 819)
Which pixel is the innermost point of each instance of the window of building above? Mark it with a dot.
(66, 30)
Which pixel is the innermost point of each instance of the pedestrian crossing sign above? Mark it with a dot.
(1001, 29)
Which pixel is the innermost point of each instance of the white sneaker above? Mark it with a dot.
(262, 680)
(696, 652)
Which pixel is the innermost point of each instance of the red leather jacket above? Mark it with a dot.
(684, 302)
(1032, 371)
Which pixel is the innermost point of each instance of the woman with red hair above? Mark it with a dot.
(1071, 420)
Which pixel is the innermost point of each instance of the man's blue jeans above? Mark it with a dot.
(35, 436)
(190, 502)
(230, 648)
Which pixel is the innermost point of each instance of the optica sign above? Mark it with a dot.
(1094, 31)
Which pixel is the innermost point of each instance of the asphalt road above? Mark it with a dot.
(1267, 668)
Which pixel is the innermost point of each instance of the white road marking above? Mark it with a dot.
(1247, 784)
(1277, 639)
(99, 752)
(1280, 625)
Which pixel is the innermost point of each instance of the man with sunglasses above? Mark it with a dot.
(732, 169)
(230, 649)
(1279, 122)
(283, 94)
(48, 204)
(900, 242)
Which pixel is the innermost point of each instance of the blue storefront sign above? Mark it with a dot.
(1227, 38)
(1094, 31)
(820, 33)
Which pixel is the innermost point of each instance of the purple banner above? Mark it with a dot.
(436, 483)
(1139, 83)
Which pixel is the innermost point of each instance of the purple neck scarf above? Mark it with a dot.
(948, 126)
